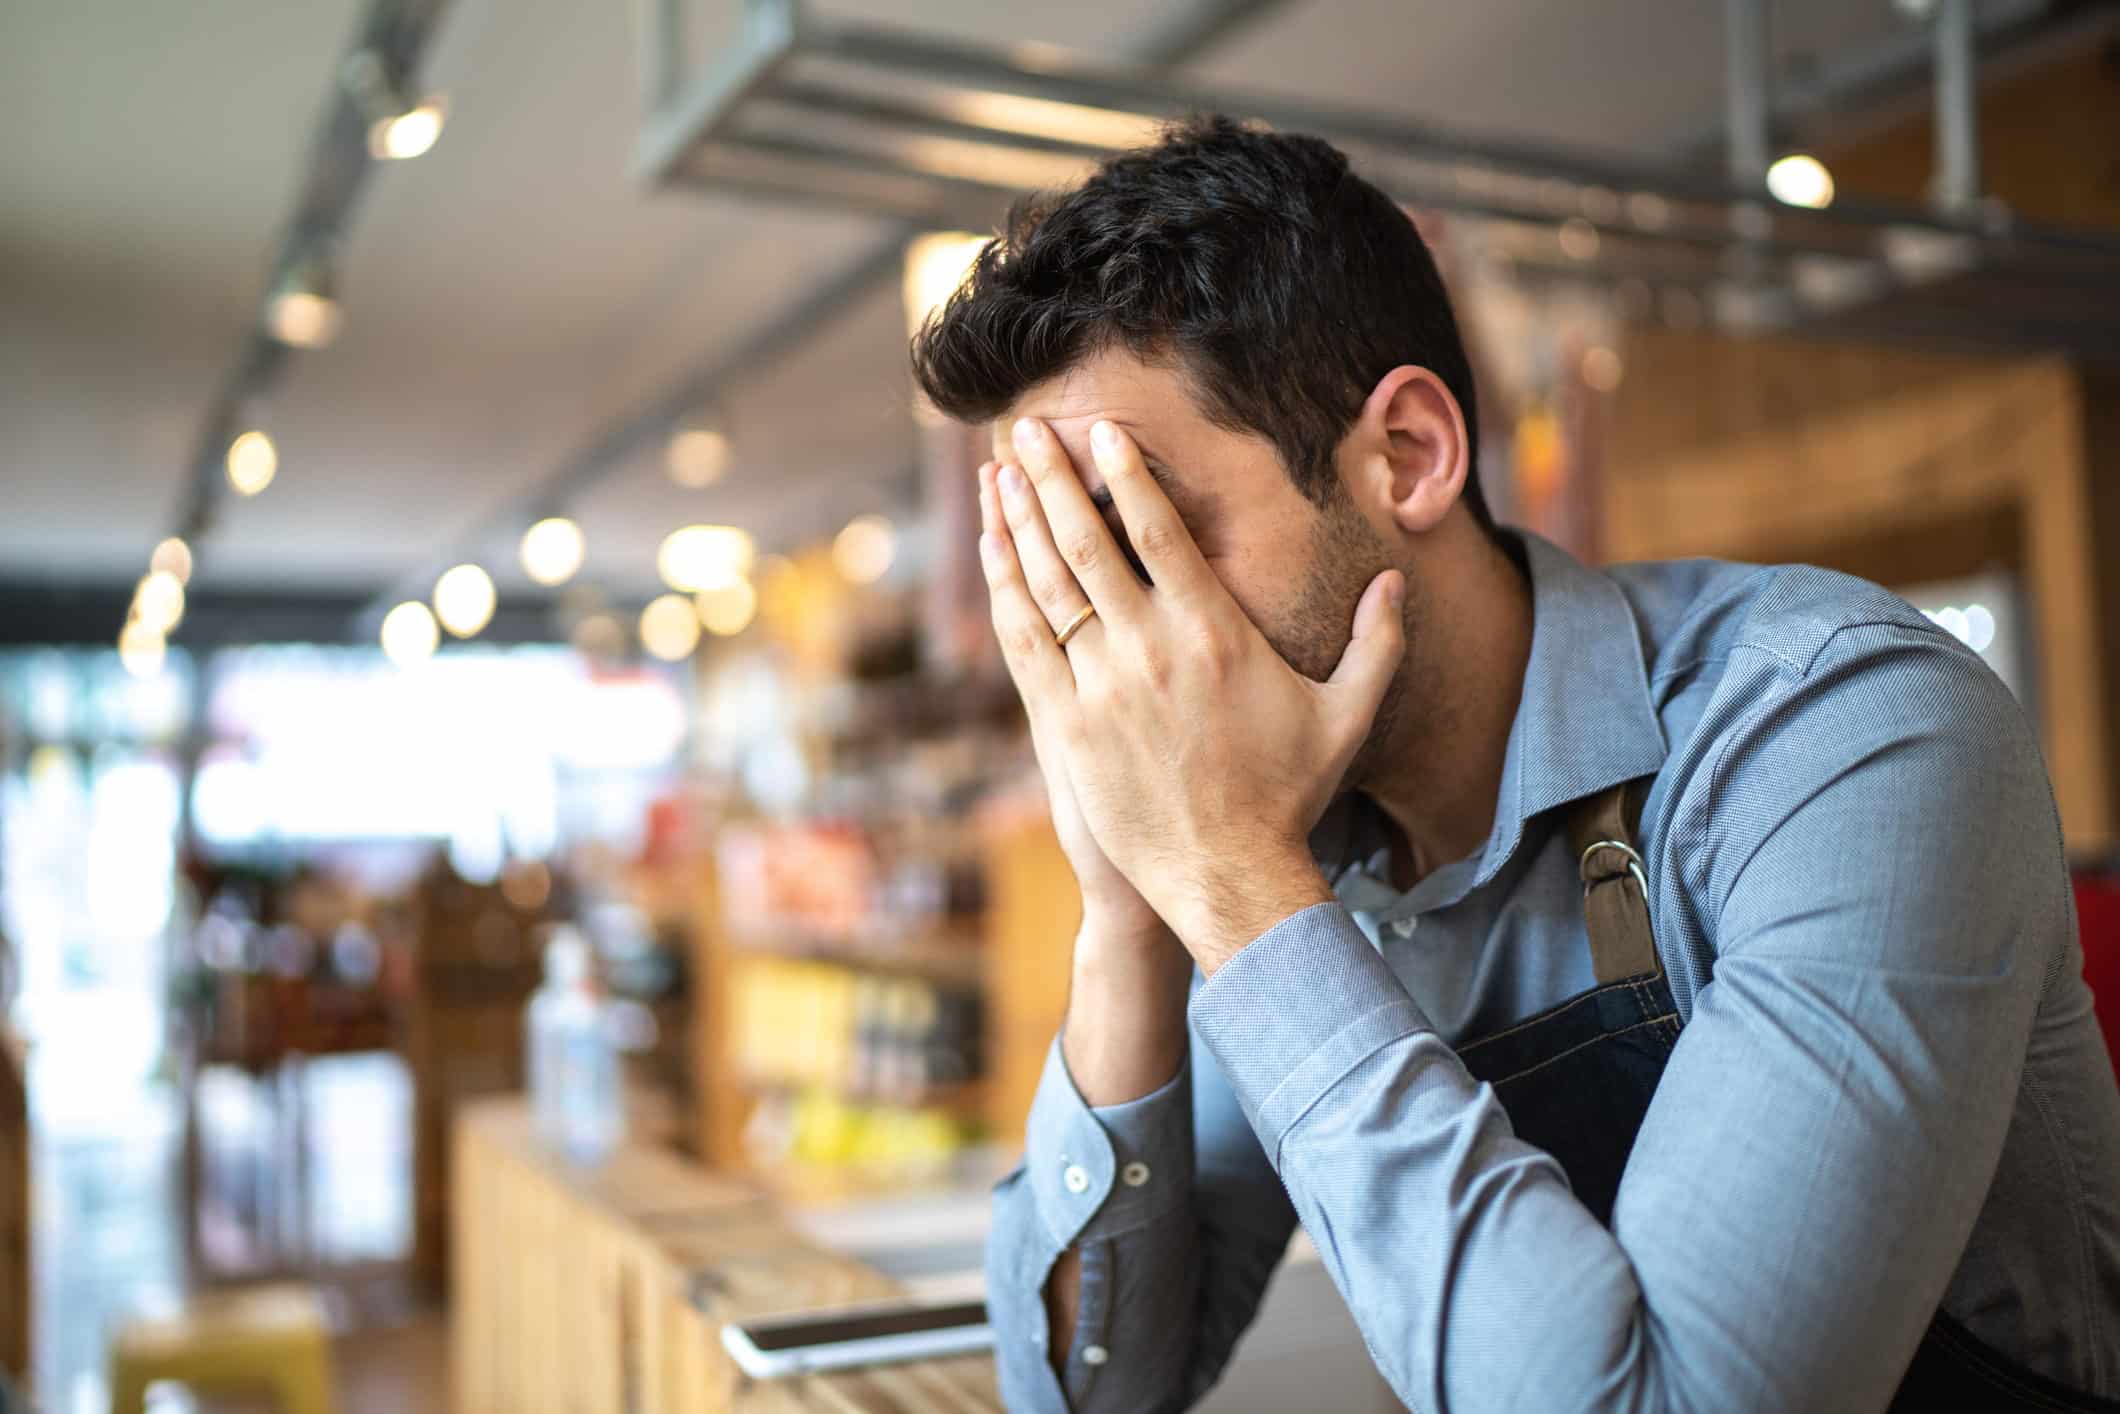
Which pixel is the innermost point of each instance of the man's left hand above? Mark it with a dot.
(1200, 759)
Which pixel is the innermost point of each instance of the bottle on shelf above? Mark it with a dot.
(575, 1101)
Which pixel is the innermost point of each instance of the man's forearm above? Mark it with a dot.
(1124, 1037)
(1125, 1030)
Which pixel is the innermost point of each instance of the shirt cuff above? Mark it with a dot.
(1098, 1173)
(1281, 1058)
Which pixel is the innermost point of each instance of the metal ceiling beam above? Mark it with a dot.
(1130, 91)
(1957, 180)
(896, 121)
(1748, 53)
(762, 46)
(1865, 75)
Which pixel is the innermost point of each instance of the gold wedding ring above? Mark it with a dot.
(1074, 625)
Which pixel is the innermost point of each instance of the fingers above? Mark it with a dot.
(1037, 664)
(1084, 543)
(1358, 683)
(1166, 548)
(1053, 586)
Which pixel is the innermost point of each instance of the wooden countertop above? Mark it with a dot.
(604, 1290)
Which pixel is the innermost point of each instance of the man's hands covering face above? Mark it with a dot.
(1198, 758)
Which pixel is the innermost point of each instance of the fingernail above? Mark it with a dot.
(1396, 591)
(1026, 430)
(1104, 437)
(1011, 478)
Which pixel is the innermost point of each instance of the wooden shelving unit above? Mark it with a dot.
(1016, 960)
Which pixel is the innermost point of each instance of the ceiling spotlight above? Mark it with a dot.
(704, 557)
(174, 557)
(410, 634)
(399, 126)
(410, 133)
(158, 603)
(669, 627)
(553, 550)
(1800, 179)
(727, 610)
(303, 309)
(252, 462)
(864, 550)
(464, 600)
(699, 454)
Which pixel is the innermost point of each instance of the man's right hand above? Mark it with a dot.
(1125, 1033)
(1113, 911)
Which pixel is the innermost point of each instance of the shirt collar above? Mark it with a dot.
(1585, 723)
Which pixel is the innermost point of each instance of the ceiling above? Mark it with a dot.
(512, 291)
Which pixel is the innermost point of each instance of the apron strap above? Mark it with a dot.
(1615, 888)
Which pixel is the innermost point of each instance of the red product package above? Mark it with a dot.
(2098, 921)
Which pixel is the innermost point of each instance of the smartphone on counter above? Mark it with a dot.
(870, 1335)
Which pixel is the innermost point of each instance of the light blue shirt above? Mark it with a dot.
(1890, 1093)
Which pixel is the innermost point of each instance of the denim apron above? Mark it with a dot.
(1576, 1081)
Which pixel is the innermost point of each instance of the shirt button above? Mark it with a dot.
(1095, 1355)
(1405, 927)
(1134, 1174)
(1076, 1178)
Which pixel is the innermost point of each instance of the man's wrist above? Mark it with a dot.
(1233, 908)
(1129, 925)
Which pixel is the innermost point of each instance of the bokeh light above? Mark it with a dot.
(252, 462)
(669, 627)
(728, 609)
(704, 557)
(553, 550)
(464, 600)
(410, 634)
(864, 550)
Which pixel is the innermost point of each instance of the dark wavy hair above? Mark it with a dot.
(1281, 283)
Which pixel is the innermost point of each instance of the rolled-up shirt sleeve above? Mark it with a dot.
(1880, 859)
(1116, 1182)
(1175, 1253)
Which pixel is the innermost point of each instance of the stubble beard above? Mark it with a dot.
(1346, 556)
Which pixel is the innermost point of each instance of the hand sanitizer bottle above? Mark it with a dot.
(575, 1101)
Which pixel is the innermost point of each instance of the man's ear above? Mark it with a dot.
(1410, 450)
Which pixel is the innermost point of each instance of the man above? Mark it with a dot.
(1653, 988)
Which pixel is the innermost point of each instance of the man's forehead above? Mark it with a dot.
(1073, 433)
(1073, 403)
(1150, 403)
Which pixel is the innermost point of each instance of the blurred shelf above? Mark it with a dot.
(953, 957)
(311, 1039)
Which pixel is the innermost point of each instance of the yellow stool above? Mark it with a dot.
(261, 1337)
